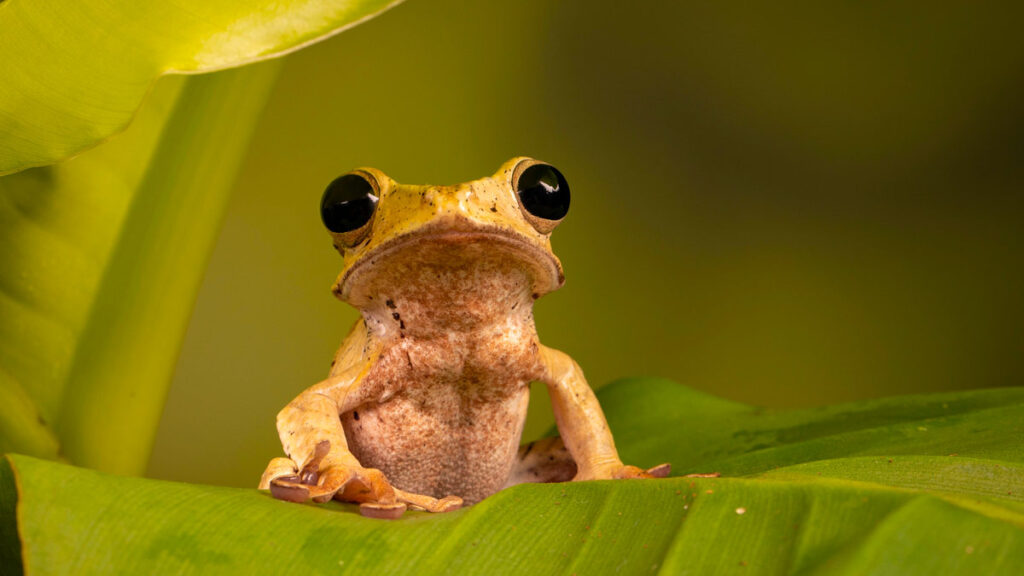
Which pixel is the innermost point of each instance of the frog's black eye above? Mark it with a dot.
(348, 203)
(543, 191)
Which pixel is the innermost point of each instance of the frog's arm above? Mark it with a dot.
(314, 440)
(311, 432)
(581, 422)
(312, 418)
(319, 464)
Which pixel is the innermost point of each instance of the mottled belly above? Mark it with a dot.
(449, 440)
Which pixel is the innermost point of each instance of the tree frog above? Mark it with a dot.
(425, 402)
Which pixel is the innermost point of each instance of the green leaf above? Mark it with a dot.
(820, 492)
(102, 257)
(74, 72)
(736, 439)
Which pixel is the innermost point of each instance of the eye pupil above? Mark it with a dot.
(544, 192)
(348, 203)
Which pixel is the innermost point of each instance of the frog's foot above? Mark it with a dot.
(365, 486)
(429, 503)
(286, 482)
(624, 471)
(322, 479)
(615, 470)
(545, 460)
(406, 500)
(660, 471)
(548, 460)
(279, 469)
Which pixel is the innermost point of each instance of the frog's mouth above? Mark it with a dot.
(491, 249)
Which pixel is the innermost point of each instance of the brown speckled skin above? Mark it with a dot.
(432, 384)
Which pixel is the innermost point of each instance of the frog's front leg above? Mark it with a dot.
(319, 464)
(582, 425)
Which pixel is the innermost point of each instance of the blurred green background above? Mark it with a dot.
(787, 205)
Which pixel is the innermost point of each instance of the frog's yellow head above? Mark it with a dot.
(458, 238)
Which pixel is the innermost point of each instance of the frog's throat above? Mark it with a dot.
(543, 267)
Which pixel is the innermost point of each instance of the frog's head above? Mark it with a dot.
(421, 240)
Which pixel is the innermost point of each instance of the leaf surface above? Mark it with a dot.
(811, 503)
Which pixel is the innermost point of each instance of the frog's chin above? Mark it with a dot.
(415, 257)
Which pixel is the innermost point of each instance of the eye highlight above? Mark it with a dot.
(543, 191)
(348, 203)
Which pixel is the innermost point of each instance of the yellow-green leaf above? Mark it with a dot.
(73, 73)
(101, 259)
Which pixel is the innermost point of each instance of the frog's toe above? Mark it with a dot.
(447, 504)
(660, 471)
(287, 484)
(368, 485)
(289, 489)
(329, 482)
(297, 489)
(385, 511)
(629, 472)
(429, 503)
(278, 468)
(375, 495)
(286, 481)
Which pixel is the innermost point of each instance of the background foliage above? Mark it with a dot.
(787, 205)
(74, 73)
(772, 200)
